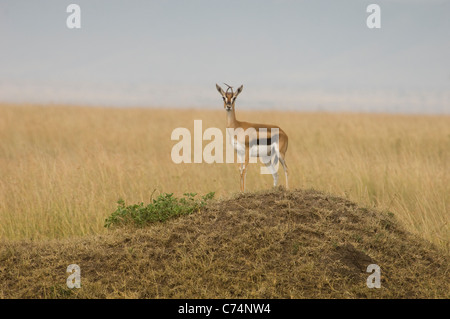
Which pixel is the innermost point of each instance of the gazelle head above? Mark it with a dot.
(229, 97)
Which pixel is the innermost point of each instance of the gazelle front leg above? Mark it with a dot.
(241, 172)
(246, 161)
(243, 160)
(244, 173)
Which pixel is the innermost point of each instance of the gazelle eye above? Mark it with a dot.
(223, 98)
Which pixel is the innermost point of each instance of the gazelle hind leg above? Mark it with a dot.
(271, 167)
(283, 162)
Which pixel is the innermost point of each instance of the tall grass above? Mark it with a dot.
(62, 169)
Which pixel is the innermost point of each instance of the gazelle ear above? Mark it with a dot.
(239, 90)
(220, 90)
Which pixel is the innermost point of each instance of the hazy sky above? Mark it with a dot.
(302, 55)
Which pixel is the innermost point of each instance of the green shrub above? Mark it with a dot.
(164, 207)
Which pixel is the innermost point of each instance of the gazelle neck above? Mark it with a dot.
(231, 119)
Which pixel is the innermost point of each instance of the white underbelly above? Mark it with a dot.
(255, 150)
(260, 150)
(239, 148)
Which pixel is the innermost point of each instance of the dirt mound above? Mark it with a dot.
(276, 244)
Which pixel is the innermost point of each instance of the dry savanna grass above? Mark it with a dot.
(268, 244)
(64, 168)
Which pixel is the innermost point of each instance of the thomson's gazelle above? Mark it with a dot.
(255, 140)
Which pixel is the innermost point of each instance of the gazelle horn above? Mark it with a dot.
(229, 87)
